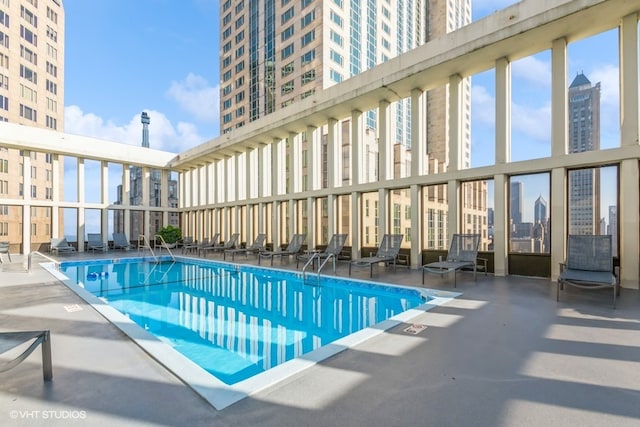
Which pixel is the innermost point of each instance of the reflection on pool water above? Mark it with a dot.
(238, 321)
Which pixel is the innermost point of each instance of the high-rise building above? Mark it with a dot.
(540, 211)
(584, 135)
(32, 94)
(515, 206)
(275, 53)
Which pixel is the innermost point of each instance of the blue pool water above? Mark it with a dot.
(238, 321)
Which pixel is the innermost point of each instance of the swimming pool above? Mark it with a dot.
(243, 325)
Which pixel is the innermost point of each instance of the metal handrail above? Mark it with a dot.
(164, 244)
(146, 244)
(330, 256)
(57, 263)
(313, 256)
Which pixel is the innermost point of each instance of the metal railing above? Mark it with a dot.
(57, 263)
(146, 245)
(315, 256)
(310, 261)
(165, 245)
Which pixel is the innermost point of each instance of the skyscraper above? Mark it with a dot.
(32, 94)
(540, 211)
(275, 53)
(516, 202)
(584, 135)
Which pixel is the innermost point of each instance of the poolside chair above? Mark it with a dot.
(333, 249)
(4, 249)
(120, 241)
(61, 246)
(11, 340)
(255, 248)
(194, 245)
(208, 243)
(387, 253)
(589, 265)
(463, 253)
(294, 247)
(95, 243)
(229, 244)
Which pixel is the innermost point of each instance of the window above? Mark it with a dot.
(28, 113)
(28, 93)
(308, 18)
(307, 94)
(28, 35)
(4, 82)
(52, 87)
(52, 69)
(239, 6)
(226, 33)
(52, 34)
(287, 87)
(226, 76)
(29, 55)
(287, 33)
(4, 187)
(226, 62)
(307, 57)
(226, 90)
(51, 122)
(4, 19)
(34, 191)
(239, 96)
(337, 38)
(4, 103)
(239, 36)
(226, 20)
(308, 38)
(308, 76)
(4, 40)
(306, 3)
(239, 52)
(239, 22)
(48, 193)
(239, 81)
(336, 57)
(338, 3)
(52, 15)
(4, 165)
(239, 66)
(28, 16)
(287, 51)
(226, 118)
(287, 69)
(335, 76)
(240, 112)
(226, 47)
(28, 74)
(287, 15)
(226, 104)
(337, 19)
(52, 52)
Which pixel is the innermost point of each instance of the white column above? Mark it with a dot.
(418, 134)
(314, 158)
(629, 222)
(276, 164)
(55, 211)
(81, 199)
(455, 124)
(356, 214)
(453, 195)
(26, 195)
(629, 82)
(559, 219)
(503, 111)
(260, 172)
(126, 200)
(334, 151)
(416, 226)
(384, 222)
(104, 193)
(356, 147)
(500, 220)
(385, 142)
(146, 227)
(559, 100)
(312, 236)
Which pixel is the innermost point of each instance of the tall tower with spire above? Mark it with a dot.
(145, 120)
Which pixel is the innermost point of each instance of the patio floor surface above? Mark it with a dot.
(504, 353)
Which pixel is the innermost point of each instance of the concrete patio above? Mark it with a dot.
(502, 354)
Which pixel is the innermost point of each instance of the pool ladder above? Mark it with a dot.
(56, 263)
(315, 256)
(147, 245)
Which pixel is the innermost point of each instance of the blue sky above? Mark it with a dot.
(123, 57)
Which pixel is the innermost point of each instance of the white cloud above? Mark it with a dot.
(195, 96)
(609, 78)
(483, 8)
(532, 69)
(163, 135)
(534, 123)
(482, 105)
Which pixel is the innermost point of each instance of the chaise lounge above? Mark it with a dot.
(293, 248)
(255, 248)
(333, 249)
(463, 253)
(11, 340)
(589, 265)
(387, 253)
(61, 246)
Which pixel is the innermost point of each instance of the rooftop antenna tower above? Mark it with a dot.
(145, 120)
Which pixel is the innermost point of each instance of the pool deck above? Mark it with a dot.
(505, 353)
